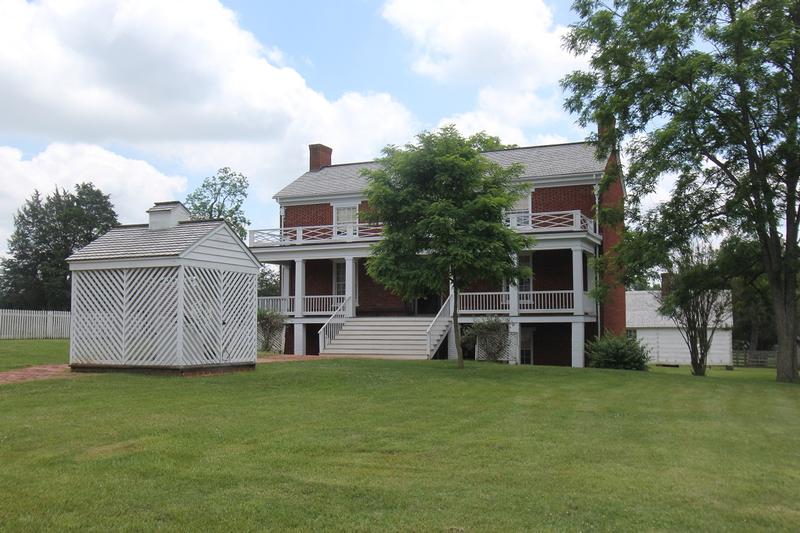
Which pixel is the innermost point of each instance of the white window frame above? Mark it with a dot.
(349, 227)
(334, 282)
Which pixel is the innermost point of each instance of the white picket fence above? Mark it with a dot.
(19, 324)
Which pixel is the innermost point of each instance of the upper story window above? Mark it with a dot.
(345, 218)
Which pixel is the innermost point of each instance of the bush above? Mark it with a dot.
(270, 325)
(617, 351)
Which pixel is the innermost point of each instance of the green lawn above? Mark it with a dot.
(365, 445)
(21, 353)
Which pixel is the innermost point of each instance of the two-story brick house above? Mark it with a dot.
(321, 247)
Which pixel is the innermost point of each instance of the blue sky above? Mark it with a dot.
(145, 98)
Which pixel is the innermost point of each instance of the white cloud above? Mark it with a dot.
(180, 80)
(512, 49)
(133, 184)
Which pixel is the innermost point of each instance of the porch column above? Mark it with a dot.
(299, 339)
(349, 285)
(577, 344)
(513, 342)
(577, 281)
(285, 278)
(299, 288)
(513, 294)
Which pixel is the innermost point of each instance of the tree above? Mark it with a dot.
(696, 298)
(46, 232)
(708, 91)
(221, 197)
(269, 282)
(443, 206)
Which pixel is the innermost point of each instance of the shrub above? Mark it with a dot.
(492, 334)
(617, 351)
(270, 325)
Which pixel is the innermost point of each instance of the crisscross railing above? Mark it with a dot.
(521, 220)
(334, 324)
(440, 321)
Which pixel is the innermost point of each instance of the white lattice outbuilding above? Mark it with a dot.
(171, 294)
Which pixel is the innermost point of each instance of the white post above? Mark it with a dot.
(452, 300)
(299, 339)
(349, 285)
(285, 278)
(577, 281)
(513, 343)
(577, 344)
(299, 287)
(513, 294)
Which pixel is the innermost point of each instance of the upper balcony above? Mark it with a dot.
(522, 221)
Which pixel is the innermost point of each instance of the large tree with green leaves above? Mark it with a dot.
(221, 197)
(709, 92)
(443, 205)
(46, 231)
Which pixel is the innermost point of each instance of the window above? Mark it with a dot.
(344, 219)
(630, 333)
(339, 278)
(520, 214)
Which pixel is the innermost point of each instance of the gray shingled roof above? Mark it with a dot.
(138, 241)
(539, 162)
(641, 311)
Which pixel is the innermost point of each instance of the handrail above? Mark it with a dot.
(331, 328)
(437, 318)
(521, 220)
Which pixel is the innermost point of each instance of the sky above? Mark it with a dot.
(145, 98)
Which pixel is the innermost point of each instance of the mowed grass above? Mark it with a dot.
(402, 445)
(27, 352)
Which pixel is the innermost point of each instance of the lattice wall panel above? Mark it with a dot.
(98, 317)
(506, 354)
(151, 317)
(239, 329)
(202, 316)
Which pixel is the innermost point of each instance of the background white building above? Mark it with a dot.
(660, 334)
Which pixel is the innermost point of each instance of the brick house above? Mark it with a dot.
(333, 306)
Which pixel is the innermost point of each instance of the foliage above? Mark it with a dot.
(617, 351)
(270, 323)
(46, 232)
(697, 299)
(269, 282)
(443, 205)
(221, 197)
(708, 92)
(492, 334)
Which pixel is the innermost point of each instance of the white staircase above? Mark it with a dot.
(399, 337)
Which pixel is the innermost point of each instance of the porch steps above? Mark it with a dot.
(395, 337)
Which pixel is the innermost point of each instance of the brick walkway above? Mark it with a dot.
(33, 373)
(285, 358)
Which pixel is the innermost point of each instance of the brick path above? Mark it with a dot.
(33, 373)
(284, 358)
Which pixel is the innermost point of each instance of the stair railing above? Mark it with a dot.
(441, 320)
(335, 323)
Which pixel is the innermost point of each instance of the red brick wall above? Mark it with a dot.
(319, 277)
(375, 299)
(307, 215)
(564, 199)
(612, 312)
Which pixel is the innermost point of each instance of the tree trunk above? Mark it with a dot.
(785, 301)
(457, 330)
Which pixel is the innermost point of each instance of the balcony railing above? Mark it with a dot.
(312, 305)
(530, 302)
(470, 303)
(522, 221)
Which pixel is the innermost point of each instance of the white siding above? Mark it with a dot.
(221, 248)
(667, 346)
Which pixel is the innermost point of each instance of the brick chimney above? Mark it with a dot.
(319, 156)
